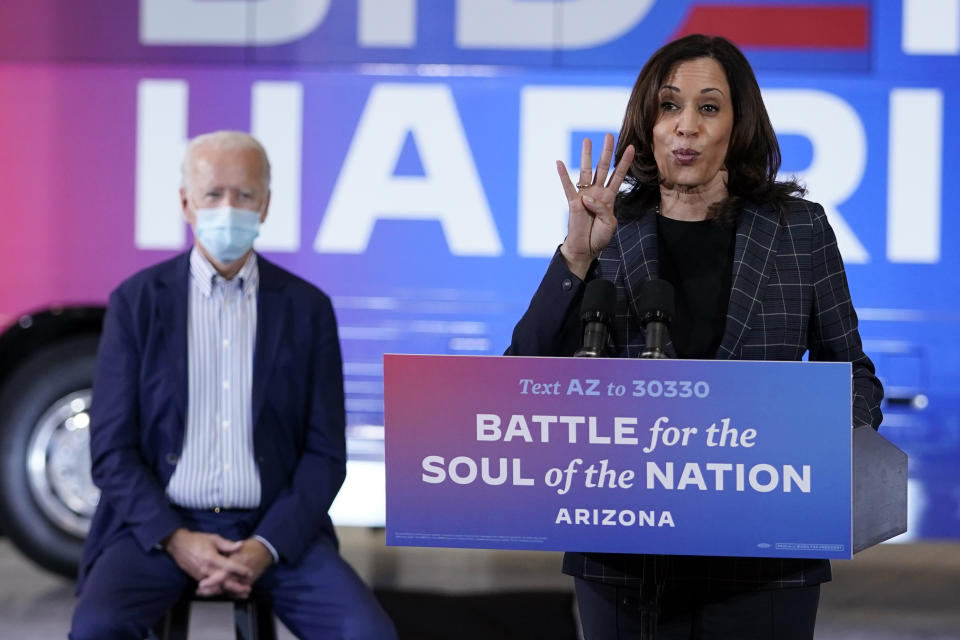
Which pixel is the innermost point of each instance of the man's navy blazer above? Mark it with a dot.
(140, 403)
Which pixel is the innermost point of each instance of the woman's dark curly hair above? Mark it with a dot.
(753, 155)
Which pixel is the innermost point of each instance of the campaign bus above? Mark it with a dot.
(413, 145)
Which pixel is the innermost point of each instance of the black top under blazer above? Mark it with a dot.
(789, 296)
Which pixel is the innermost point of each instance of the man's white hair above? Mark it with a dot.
(222, 141)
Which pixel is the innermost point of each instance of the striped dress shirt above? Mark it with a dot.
(217, 468)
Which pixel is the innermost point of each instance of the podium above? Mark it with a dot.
(879, 489)
(729, 458)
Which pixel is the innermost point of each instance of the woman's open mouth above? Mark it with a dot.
(685, 156)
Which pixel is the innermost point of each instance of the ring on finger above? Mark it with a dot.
(581, 187)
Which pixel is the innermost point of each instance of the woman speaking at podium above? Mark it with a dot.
(694, 199)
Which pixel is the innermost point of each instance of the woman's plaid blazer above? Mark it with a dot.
(789, 297)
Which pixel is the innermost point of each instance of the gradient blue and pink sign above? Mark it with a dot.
(613, 455)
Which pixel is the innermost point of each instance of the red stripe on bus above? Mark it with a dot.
(790, 27)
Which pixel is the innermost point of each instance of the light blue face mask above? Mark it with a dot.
(227, 233)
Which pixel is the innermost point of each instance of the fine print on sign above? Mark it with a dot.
(693, 457)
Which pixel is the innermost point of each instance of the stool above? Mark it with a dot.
(252, 618)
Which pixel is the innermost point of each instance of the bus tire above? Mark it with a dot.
(46, 496)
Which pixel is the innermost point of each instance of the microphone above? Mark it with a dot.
(596, 312)
(656, 314)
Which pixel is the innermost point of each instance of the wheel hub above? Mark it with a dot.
(58, 464)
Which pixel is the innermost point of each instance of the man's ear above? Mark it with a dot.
(188, 215)
(266, 208)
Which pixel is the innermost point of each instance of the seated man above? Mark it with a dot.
(217, 435)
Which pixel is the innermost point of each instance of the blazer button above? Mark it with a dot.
(172, 458)
(567, 284)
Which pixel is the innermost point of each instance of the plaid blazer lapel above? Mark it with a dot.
(638, 249)
(755, 251)
(637, 240)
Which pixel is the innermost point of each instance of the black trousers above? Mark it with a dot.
(617, 613)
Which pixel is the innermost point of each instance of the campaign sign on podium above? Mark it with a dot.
(727, 458)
